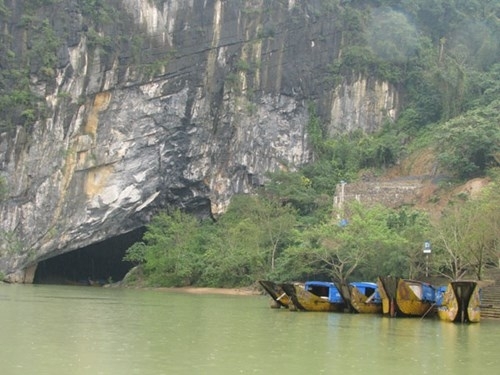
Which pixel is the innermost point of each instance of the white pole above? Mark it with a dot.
(342, 192)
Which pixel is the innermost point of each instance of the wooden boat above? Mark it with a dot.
(278, 295)
(365, 297)
(361, 297)
(460, 302)
(403, 297)
(315, 296)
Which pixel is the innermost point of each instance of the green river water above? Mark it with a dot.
(63, 330)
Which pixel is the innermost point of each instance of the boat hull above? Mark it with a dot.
(276, 292)
(402, 297)
(364, 304)
(461, 303)
(307, 301)
(361, 297)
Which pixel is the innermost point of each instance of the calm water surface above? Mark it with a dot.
(82, 330)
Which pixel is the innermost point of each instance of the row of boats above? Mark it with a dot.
(458, 301)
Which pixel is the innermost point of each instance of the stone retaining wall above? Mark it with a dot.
(396, 193)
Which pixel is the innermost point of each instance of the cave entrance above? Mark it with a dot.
(96, 264)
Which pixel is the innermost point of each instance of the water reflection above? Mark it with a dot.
(75, 330)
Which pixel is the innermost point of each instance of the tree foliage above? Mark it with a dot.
(251, 236)
(243, 245)
(467, 237)
(375, 241)
(391, 36)
(344, 249)
(469, 144)
(169, 256)
(263, 238)
(441, 54)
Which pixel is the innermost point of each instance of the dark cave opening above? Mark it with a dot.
(97, 264)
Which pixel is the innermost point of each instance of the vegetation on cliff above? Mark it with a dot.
(266, 236)
(289, 231)
(34, 39)
(442, 55)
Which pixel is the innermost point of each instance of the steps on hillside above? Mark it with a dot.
(490, 295)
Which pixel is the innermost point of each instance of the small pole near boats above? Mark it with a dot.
(427, 251)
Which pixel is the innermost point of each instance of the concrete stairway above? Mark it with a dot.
(490, 294)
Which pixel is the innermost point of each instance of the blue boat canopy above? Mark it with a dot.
(440, 294)
(368, 289)
(324, 289)
(429, 293)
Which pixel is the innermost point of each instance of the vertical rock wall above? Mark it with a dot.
(174, 102)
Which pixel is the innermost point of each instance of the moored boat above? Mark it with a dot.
(315, 296)
(278, 295)
(365, 298)
(404, 297)
(460, 302)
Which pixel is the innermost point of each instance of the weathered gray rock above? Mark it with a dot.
(216, 97)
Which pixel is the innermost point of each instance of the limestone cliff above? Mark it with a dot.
(155, 103)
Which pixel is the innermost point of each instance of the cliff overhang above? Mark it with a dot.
(150, 105)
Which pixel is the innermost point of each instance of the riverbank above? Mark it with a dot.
(135, 279)
(226, 291)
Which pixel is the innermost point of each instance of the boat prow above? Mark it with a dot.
(365, 298)
(404, 297)
(278, 295)
(461, 302)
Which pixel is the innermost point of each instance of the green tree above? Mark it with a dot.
(451, 251)
(485, 240)
(168, 255)
(484, 87)
(277, 222)
(467, 236)
(235, 255)
(407, 260)
(291, 188)
(391, 36)
(468, 144)
(339, 252)
(246, 241)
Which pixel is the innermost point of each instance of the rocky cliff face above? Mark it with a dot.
(157, 103)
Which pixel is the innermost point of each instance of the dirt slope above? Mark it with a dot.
(436, 190)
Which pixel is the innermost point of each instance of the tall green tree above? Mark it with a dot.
(451, 251)
(467, 236)
(290, 189)
(340, 251)
(251, 236)
(485, 241)
(391, 36)
(407, 259)
(235, 255)
(467, 145)
(171, 251)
